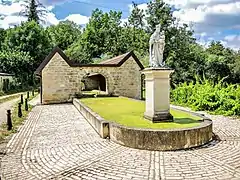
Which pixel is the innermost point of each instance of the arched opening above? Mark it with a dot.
(94, 82)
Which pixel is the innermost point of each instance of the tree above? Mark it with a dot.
(101, 35)
(2, 37)
(136, 18)
(30, 38)
(16, 63)
(159, 12)
(135, 33)
(33, 10)
(64, 34)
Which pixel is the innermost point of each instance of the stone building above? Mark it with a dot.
(62, 79)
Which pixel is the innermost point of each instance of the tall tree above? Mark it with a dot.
(158, 12)
(33, 10)
(136, 21)
(31, 38)
(2, 37)
(136, 18)
(16, 63)
(64, 34)
(101, 35)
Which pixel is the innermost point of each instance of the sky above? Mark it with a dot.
(210, 19)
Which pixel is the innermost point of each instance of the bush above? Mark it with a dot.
(204, 95)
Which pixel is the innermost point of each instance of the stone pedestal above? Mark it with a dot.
(158, 94)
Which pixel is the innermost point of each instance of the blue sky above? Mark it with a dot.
(210, 19)
(85, 7)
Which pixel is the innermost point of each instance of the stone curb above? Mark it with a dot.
(149, 139)
(100, 125)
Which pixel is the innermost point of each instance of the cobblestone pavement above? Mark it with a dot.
(56, 142)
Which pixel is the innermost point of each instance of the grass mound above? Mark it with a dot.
(129, 112)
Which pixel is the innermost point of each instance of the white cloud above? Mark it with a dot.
(10, 9)
(123, 21)
(10, 21)
(78, 19)
(209, 18)
(9, 15)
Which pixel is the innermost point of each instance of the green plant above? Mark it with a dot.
(204, 95)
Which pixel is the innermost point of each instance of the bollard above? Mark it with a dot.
(27, 94)
(21, 98)
(26, 104)
(19, 110)
(9, 120)
(32, 92)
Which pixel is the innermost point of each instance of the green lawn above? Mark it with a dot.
(130, 112)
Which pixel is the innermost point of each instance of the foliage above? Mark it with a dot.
(131, 113)
(16, 63)
(220, 98)
(29, 38)
(64, 34)
(100, 36)
(158, 12)
(2, 36)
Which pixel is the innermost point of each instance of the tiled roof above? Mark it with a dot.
(113, 62)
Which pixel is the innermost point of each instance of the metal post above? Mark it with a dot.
(32, 92)
(21, 98)
(19, 110)
(27, 94)
(9, 120)
(26, 104)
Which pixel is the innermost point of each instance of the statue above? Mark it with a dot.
(156, 49)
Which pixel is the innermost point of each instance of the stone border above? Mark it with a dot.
(163, 140)
(149, 139)
(97, 122)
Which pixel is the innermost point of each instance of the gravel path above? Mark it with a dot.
(4, 107)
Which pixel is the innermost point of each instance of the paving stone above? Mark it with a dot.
(56, 142)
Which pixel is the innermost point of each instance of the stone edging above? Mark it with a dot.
(149, 139)
(97, 122)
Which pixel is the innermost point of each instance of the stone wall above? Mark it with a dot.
(60, 82)
(90, 84)
(161, 140)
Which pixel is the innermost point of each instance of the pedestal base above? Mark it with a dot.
(163, 117)
(158, 94)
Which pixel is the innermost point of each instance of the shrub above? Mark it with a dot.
(204, 95)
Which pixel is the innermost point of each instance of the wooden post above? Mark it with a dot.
(9, 120)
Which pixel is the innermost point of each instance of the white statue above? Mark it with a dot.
(157, 44)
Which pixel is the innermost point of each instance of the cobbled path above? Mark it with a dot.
(56, 142)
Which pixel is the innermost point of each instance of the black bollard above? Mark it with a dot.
(19, 110)
(27, 94)
(21, 98)
(32, 92)
(9, 120)
(26, 104)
